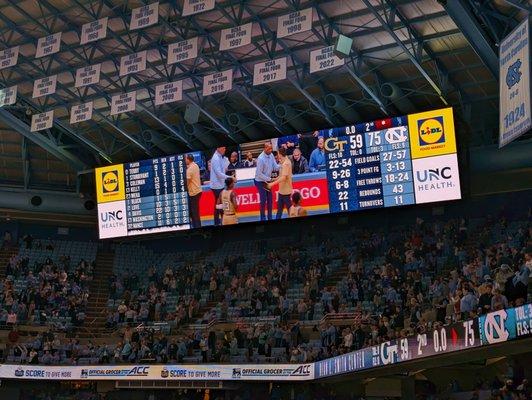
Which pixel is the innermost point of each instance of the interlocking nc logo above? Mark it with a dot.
(333, 144)
(494, 328)
(513, 76)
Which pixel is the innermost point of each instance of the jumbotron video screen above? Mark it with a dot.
(390, 162)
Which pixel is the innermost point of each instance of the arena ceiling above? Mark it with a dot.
(434, 53)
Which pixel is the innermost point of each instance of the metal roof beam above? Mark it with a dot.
(465, 20)
(41, 140)
(407, 51)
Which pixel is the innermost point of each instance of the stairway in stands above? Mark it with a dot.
(98, 295)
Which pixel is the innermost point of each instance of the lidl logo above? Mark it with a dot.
(110, 181)
(110, 185)
(431, 131)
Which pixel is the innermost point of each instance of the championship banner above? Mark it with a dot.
(48, 45)
(269, 71)
(81, 112)
(44, 86)
(238, 36)
(42, 121)
(168, 92)
(218, 82)
(296, 22)
(93, 31)
(142, 17)
(182, 51)
(133, 63)
(191, 7)
(9, 57)
(323, 59)
(8, 96)
(312, 186)
(514, 83)
(88, 75)
(124, 102)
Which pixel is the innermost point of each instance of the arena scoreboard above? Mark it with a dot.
(384, 163)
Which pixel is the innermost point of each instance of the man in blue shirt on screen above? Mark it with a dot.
(218, 176)
(266, 164)
(317, 157)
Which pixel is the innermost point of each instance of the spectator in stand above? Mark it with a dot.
(249, 162)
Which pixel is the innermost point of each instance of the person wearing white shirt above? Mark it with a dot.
(266, 164)
(217, 179)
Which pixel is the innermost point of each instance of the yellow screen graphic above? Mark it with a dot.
(110, 183)
(432, 133)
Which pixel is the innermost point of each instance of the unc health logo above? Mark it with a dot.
(110, 181)
(513, 76)
(494, 327)
(431, 131)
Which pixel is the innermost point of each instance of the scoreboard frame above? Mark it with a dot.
(389, 162)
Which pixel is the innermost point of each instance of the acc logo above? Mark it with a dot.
(333, 144)
(302, 370)
(139, 371)
(494, 328)
(431, 131)
(110, 181)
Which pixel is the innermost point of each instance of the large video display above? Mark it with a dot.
(385, 163)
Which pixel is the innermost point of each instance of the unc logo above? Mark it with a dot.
(111, 216)
(431, 131)
(494, 328)
(333, 144)
(435, 174)
(513, 76)
(110, 181)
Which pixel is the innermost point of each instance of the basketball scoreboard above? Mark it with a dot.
(384, 163)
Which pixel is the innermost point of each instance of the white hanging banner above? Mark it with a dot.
(88, 75)
(196, 6)
(144, 16)
(168, 92)
(124, 102)
(81, 112)
(9, 57)
(269, 71)
(182, 51)
(48, 45)
(95, 30)
(133, 63)
(8, 96)
(323, 59)
(42, 121)
(237, 36)
(218, 82)
(514, 83)
(44, 86)
(296, 22)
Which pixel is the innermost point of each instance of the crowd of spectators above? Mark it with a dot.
(45, 292)
(391, 285)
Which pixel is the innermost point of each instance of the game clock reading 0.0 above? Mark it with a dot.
(385, 163)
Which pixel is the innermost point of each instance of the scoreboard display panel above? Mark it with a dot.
(385, 163)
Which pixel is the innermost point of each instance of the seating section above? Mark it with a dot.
(287, 300)
(47, 283)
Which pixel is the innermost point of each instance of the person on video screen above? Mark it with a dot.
(266, 165)
(317, 157)
(233, 163)
(297, 210)
(299, 163)
(227, 202)
(285, 183)
(194, 190)
(218, 177)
